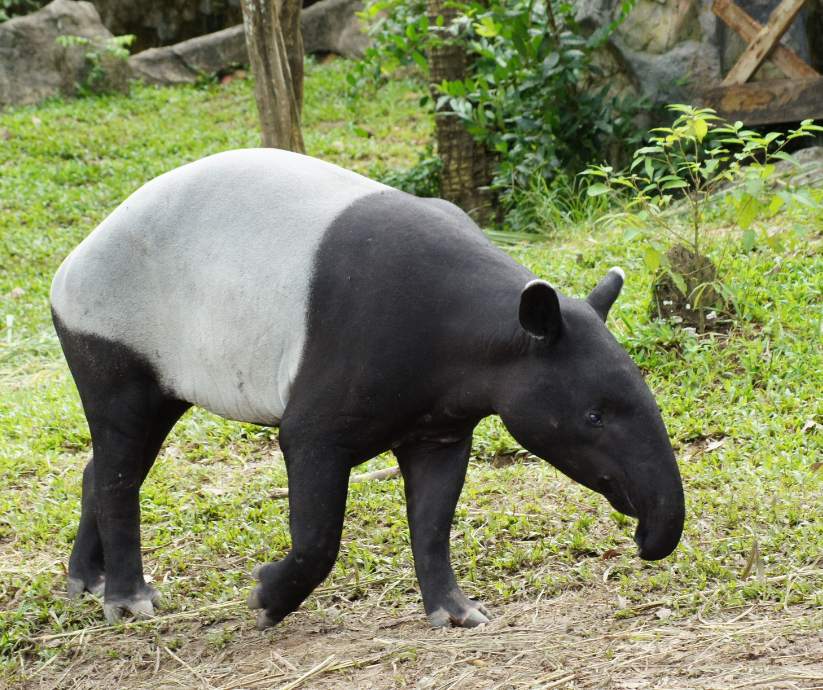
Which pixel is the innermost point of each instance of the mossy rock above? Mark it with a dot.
(699, 306)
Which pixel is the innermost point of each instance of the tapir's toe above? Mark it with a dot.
(254, 599)
(140, 606)
(75, 586)
(475, 617)
(264, 620)
(469, 616)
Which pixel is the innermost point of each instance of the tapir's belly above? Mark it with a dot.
(205, 272)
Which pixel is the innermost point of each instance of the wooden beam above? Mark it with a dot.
(768, 102)
(789, 62)
(765, 40)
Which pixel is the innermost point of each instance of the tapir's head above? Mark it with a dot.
(575, 398)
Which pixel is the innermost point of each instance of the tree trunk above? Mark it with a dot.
(467, 164)
(275, 47)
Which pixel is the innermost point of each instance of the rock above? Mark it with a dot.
(332, 26)
(184, 62)
(655, 27)
(164, 22)
(806, 170)
(33, 66)
(674, 76)
(329, 26)
(670, 50)
(663, 51)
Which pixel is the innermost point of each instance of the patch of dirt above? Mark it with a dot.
(577, 640)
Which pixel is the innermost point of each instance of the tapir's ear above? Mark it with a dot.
(605, 293)
(540, 311)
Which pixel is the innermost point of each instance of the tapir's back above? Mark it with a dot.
(205, 273)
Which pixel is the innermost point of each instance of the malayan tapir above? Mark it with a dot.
(275, 288)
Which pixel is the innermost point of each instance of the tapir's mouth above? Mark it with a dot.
(655, 536)
(616, 496)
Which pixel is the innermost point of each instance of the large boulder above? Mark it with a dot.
(184, 63)
(670, 50)
(164, 22)
(332, 26)
(34, 65)
(329, 26)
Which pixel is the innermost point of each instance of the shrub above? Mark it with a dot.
(531, 95)
(14, 8)
(681, 176)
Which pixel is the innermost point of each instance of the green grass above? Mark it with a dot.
(743, 408)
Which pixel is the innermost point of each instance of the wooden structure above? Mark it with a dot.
(797, 97)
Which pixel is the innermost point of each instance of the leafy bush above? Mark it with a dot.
(13, 8)
(422, 179)
(99, 57)
(681, 174)
(531, 95)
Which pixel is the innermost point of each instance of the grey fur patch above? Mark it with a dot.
(205, 271)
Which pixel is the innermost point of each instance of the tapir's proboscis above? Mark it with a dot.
(274, 288)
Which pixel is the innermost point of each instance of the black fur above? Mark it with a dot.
(418, 327)
(129, 417)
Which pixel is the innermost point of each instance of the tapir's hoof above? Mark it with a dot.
(264, 618)
(140, 606)
(470, 617)
(255, 601)
(77, 585)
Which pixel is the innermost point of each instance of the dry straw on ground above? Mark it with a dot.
(571, 641)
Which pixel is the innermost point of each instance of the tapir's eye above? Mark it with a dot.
(595, 418)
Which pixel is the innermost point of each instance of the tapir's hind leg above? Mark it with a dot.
(86, 568)
(129, 416)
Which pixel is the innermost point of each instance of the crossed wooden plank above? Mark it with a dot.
(795, 98)
(762, 40)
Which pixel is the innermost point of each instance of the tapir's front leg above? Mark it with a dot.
(318, 485)
(433, 475)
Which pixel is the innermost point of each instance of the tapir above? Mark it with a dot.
(274, 288)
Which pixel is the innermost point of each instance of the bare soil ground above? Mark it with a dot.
(571, 641)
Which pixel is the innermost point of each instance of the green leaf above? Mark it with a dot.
(652, 258)
(700, 129)
(749, 239)
(648, 166)
(775, 205)
(597, 189)
(747, 212)
(677, 279)
(487, 28)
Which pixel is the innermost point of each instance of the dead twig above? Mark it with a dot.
(377, 475)
(317, 670)
(191, 670)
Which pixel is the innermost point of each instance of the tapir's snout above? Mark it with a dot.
(661, 522)
(656, 503)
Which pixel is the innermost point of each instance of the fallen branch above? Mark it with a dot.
(377, 475)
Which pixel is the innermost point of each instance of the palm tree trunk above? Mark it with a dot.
(467, 164)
